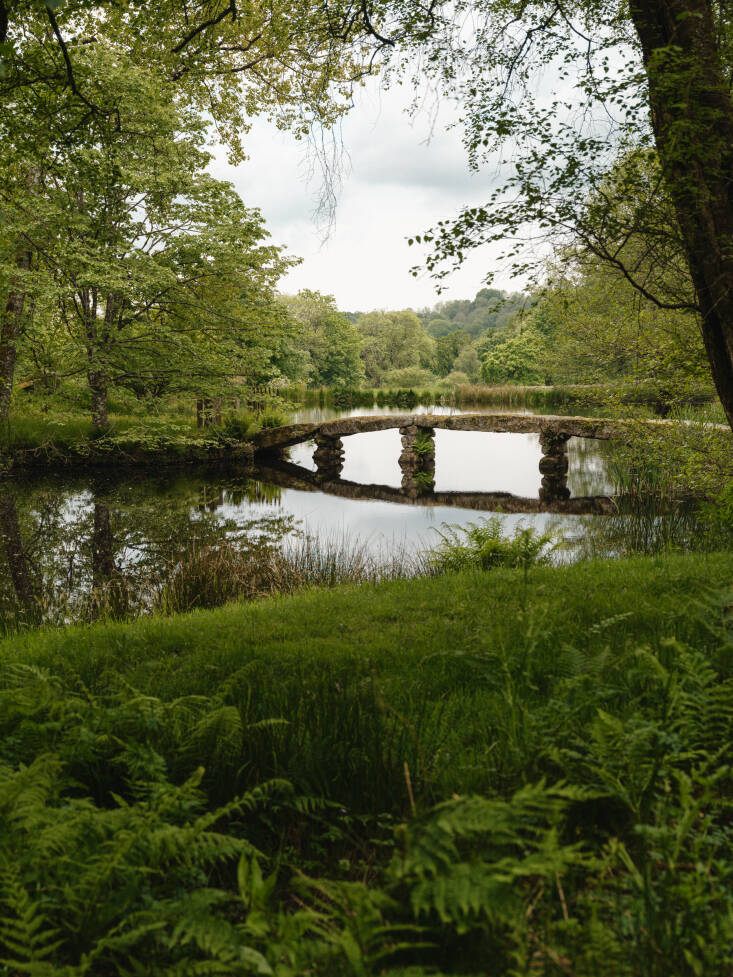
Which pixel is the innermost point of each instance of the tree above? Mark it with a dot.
(519, 359)
(330, 344)
(468, 362)
(295, 61)
(447, 348)
(490, 309)
(599, 329)
(157, 267)
(392, 341)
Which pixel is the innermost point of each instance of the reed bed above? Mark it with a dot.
(212, 576)
(593, 398)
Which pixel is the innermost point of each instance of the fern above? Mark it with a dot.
(484, 546)
(26, 938)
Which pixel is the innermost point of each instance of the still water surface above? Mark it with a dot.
(465, 461)
(73, 527)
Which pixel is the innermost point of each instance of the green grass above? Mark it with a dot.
(420, 670)
(573, 724)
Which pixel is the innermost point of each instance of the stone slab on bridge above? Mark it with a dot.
(604, 429)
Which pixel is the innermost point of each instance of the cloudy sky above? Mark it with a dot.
(400, 181)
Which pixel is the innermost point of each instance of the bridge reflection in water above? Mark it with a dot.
(285, 474)
(417, 461)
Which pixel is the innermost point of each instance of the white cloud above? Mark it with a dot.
(401, 180)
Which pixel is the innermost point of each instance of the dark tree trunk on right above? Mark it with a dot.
(692, 118)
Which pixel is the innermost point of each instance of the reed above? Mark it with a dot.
(215, 575)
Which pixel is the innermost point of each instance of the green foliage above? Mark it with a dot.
(272, 418)
(105, 864)
(394, 341)
(460, 319)
(327, 344)
(447, 349)
(515, 359)
(409, 376)
(484, 546)
(601, 330)
(238, 426)
(424, 444)
(559, 768)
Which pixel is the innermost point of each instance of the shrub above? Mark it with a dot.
(483, 546)
(272, 418)
(457, 379)
(237, 426)
(409, 376)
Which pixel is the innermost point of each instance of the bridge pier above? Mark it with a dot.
(329, 456)
(554, 466)
(417, 460)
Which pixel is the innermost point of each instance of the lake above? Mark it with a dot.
(72, 530)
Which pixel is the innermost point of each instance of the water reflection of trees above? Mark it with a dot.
(589, 470)
(79, 549)
(25, 606)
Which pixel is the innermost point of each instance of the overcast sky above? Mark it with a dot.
(400, 182)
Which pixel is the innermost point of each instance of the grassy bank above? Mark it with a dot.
(415, 643)
(573, 724)
(57, 430)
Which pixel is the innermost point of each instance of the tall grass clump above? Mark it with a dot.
(214, 575)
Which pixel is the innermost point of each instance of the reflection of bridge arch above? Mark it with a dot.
(417, 459)
(288, 475)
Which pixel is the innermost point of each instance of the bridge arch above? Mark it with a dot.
(417, 457)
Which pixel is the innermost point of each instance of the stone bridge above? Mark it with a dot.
(417, 459)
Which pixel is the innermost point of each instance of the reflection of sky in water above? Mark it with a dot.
(469, 461)
(385, 526)
(465, 461)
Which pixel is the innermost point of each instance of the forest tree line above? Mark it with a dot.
(587, 326)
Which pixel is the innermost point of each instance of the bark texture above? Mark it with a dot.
(10, 327)
(98, 389)
(692, 118)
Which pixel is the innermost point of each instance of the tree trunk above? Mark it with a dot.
(103, 547)
(16, 557)
(98, 389)
(692, 118)
(10, 326)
